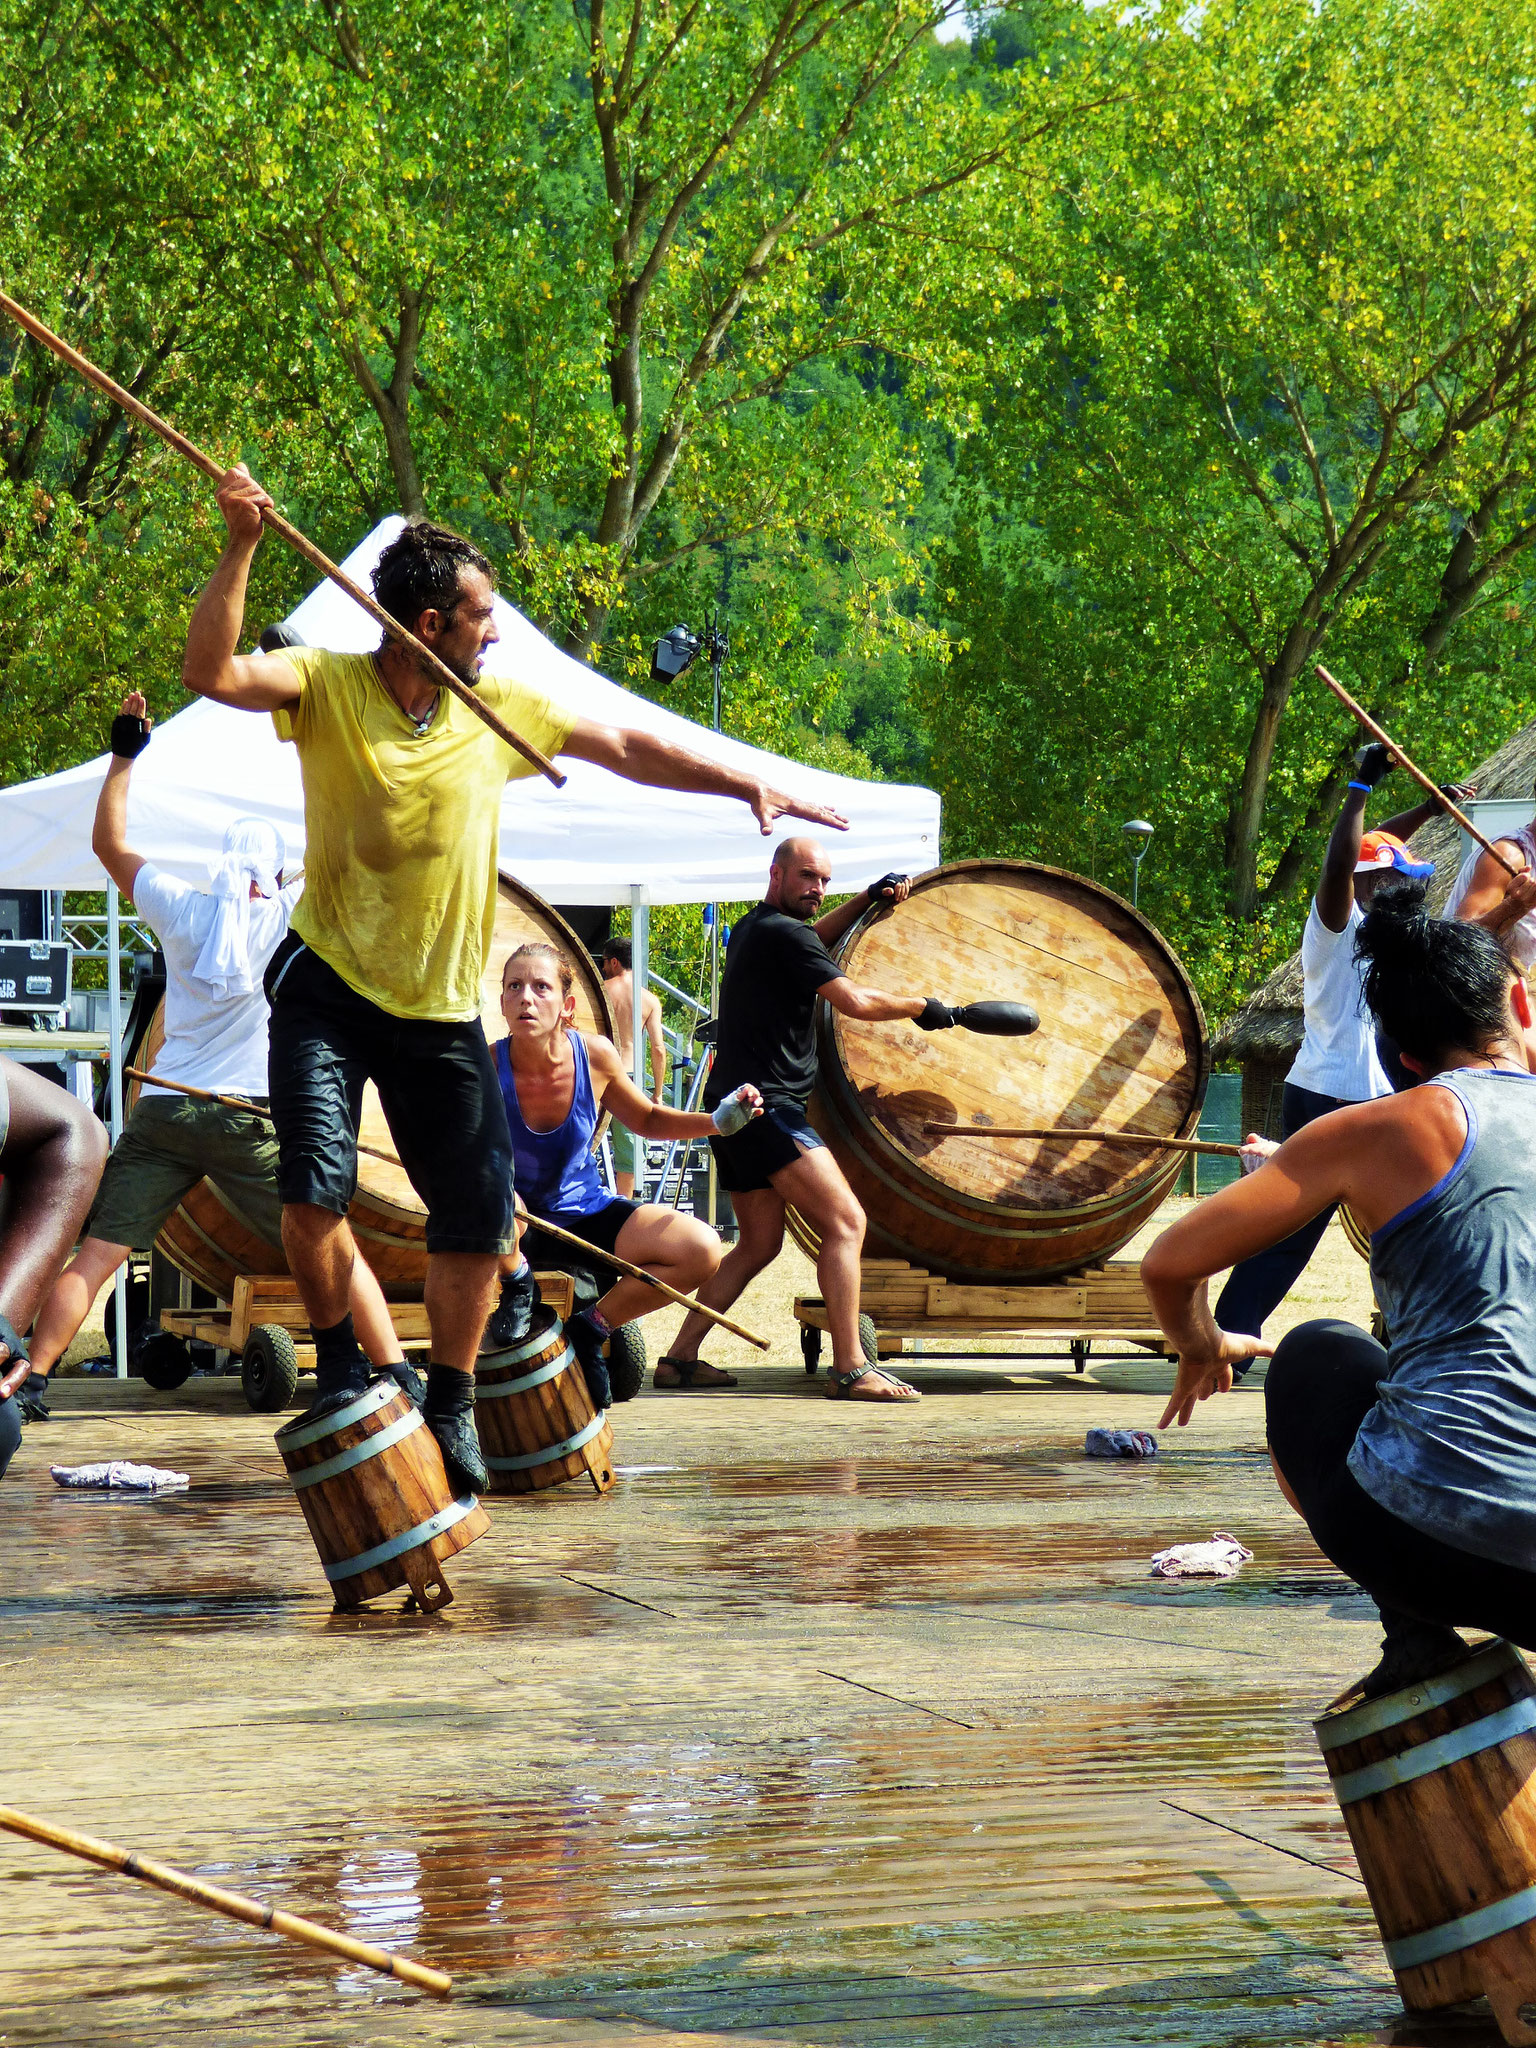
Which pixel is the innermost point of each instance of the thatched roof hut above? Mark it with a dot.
(1265, 1033)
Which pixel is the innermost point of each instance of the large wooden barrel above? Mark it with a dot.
(371, 1482)
(1122, 1044)
(206, 1239)
(537, 1425)
(1438, 1788)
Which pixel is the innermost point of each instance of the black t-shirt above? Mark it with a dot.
(774, 966)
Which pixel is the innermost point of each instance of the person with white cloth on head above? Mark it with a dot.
(217, 943)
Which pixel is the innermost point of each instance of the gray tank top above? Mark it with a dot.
(1450, 1445)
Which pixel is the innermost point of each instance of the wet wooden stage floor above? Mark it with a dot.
(829, 1726)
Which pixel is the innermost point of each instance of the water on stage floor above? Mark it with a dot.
(828, 1726)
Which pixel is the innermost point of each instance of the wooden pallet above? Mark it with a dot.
(905, 1302)
(273, 1299)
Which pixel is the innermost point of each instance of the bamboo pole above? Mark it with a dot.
(1433, 789)
(299, 542)
(538, 1222)
(1074, 1137)
(639, 1273)
(234, 1905)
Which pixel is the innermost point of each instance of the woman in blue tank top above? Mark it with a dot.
(555, 1083)
(1414, 1465)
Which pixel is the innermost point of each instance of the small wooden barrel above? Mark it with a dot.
(207, 1240)
(371, 1482)
(1438, 1788)
(537, 1424)
(1121, 1044)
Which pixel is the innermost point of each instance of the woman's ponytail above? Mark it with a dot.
(1435, 986)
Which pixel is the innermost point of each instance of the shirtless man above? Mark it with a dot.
(619, 986)
(1485, 893)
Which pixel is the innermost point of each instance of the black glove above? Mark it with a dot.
(130, 736)
(993, 1020)
(1373, 764)
(884, 891)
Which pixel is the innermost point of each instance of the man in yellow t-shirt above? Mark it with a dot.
(379, 978)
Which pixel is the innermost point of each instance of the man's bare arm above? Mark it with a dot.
(643, 757)
(210, 666)
(1493, 898)
(109, 833)
(870, 1005)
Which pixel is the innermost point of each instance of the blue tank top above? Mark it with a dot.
(554, 1171)
(1450, 1446)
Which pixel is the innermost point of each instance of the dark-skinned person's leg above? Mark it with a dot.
(1322, 1383)
(52, 1150)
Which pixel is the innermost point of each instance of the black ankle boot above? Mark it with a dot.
(341, 1370)
(407, 1379)
(32, 1398)
(588, 1337)
(449, 1412)
(1411, 1650)
(512, 1317)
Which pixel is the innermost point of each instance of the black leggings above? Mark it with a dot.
(1321, 1385)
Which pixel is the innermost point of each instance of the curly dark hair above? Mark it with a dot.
(422, 569)
(1434, 986)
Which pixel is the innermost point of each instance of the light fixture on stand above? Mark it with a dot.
(1138, 836)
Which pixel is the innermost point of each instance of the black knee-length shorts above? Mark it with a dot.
(437, 1086)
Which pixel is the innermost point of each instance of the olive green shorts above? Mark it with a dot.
(168, 1145)
(625, 1145)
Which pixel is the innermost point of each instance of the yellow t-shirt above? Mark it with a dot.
(401, 830)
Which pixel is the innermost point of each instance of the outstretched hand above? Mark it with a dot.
(1211, 1373)
(769, 804)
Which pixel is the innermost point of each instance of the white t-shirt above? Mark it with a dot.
(1338, 1052)
(211, 1040)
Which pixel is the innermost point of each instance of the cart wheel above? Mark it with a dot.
(1080, 1349)
(626, 1361)
(164, 1362)
(269, 1368)
(810, 1346)
(869, 1341)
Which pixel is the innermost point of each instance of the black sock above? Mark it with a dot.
(337, 1347)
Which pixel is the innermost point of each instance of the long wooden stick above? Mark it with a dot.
(234, 1905)
(639, 1273)
(1433, 789)
(441, 673)
(1074, 1137)
(538, 1222)
(237, 1102)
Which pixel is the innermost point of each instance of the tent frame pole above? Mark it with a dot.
(640, 976)
(115, 1053)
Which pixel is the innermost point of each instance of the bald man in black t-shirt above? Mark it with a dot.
(777, 964)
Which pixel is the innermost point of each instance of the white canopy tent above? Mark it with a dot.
(598, 840)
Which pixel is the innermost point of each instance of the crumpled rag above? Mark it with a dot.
(1218, 1559)
(1120, 1443)
(121, 1473)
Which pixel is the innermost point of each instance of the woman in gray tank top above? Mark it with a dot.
(1414, 1466)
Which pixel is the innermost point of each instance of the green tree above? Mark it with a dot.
(1274, 404)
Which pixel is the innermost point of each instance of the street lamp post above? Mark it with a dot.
(1138, 835)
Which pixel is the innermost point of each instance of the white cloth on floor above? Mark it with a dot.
(1218, 1559)
(1120, 1443)
(121, 1473)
